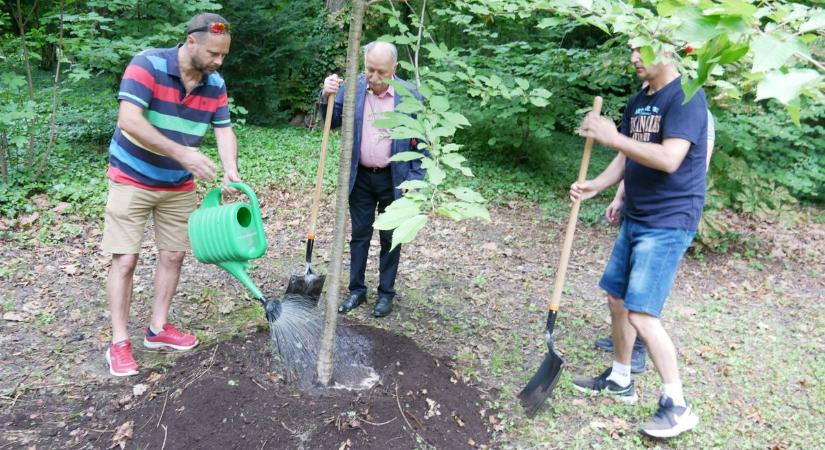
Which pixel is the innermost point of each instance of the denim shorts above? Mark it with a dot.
(643, 265)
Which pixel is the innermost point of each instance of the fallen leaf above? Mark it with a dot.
(28, 220)
(139, 389)
(123, 434)
(14, 316)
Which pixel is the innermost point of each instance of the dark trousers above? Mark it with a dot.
(373, 189)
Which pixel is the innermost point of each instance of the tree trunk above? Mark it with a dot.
(332, 296)
(53, 124)
(18, 16)
(335, 5)
(4, 145)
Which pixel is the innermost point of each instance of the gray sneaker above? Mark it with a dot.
(670, 420)
(601, 385)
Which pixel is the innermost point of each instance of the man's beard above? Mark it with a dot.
(201, 67)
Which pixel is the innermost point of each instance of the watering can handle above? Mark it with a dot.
(213, 198)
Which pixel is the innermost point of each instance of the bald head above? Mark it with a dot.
(380, 60)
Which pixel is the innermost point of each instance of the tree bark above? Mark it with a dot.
(335, 5)
(332, 296)
(18, 16)
(53, 125)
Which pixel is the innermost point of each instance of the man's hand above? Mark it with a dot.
(583, 190)
(230, 177)
(331, 85)
(198, 164)
(614, 210)
(600, 128)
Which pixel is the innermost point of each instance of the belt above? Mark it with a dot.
(374, 169)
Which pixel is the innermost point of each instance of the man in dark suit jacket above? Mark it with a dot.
(374, 179)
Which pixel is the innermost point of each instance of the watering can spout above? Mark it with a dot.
(238, 270)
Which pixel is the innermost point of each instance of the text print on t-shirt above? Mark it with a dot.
(645, 121)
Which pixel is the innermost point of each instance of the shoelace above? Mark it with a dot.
(172, 331)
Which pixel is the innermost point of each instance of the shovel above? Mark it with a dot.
(541, 386)
(311, 283)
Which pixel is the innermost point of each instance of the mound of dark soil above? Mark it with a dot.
(233, 395)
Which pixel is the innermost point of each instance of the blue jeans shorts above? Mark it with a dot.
(643, 265)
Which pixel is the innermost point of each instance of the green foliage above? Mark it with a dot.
(773, 148)
(281, 50)
(103, 35)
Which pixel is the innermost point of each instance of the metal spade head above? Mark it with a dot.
(308, 285)
(541, 386)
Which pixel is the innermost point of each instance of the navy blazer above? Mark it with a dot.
(401, 170)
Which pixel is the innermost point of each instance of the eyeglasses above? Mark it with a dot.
(213, 27)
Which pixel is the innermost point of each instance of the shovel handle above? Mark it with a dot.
(558, 287)
(319, 176)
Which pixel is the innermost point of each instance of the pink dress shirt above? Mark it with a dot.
(375, 142)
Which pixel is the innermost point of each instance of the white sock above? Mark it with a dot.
(152, 329)
(620, 374)
(674, 391)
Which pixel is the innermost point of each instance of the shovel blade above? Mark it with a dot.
(541, 386)
(308, 285)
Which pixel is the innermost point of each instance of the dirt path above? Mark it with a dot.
(750, 328)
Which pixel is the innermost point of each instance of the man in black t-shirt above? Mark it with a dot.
(661, 155)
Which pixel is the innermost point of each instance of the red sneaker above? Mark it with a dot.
(170, 337)
(119, 357)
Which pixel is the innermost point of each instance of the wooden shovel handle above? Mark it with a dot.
(558, 287)
(319, 177)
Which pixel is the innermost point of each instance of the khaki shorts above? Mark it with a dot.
(127, 211)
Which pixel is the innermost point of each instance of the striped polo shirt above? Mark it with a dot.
(152, 81)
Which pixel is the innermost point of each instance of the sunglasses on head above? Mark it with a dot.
(213, 27)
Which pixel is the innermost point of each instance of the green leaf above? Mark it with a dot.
(395, 214)
(816, 22)
(538, 101)
(406, 133)
(541, 92)
(522, 83)
(456, 119)
(695, 29)
(786, 87)
(407, 231)
(769, 53)
(406, 156)
(435, 174)
(439, 103)
(738, 8)
(648, 55)
(549, 22)
(453, 160)
(412, 106)
(794, 110)
(733, 53)
(463, 210)
(413, 184)
(397, 119)
(467, 195)
(449, 148)
(406, 65)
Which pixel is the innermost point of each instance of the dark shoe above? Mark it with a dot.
(382, 307)
(670, 420)
(352, 302)
(637, 358)
(601, 385)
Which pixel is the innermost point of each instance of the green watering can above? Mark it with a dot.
(229, 235)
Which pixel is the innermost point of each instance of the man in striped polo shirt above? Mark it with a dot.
(168, 98)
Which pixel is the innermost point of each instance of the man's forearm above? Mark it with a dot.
(612, 174)
(227, 148)
(656, 156)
